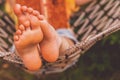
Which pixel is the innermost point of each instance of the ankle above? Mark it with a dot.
(65, 44)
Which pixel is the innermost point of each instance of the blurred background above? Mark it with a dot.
(101, 62)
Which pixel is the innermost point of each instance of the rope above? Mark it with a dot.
(98, 20)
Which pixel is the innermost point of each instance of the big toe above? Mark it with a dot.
(21, 15)
(35, 23)
(17, 9)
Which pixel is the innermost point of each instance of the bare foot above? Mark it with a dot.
(51, 42)
(26, 40)
(27, 48)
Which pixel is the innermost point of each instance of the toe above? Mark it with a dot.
(24, 8)
(34, 22)
(17, 9)
(30, 10)
(16, 38)
(20, 11)
(40, 17)
(22, 17)
(18, 32)
(27, 24)
(36, 13)
(22, 28)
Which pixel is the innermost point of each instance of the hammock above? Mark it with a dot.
(95, 21)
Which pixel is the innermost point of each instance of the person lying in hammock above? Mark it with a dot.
(35, 38)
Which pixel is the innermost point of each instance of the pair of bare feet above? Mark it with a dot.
(33, 32)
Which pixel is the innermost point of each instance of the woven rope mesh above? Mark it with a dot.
(97, 18)
(95, 21)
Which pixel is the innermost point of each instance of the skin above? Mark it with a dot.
(82, 2)
(34, 30)
(51, 43)
(26, 44)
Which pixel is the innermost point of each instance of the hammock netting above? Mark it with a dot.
(95, 21)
